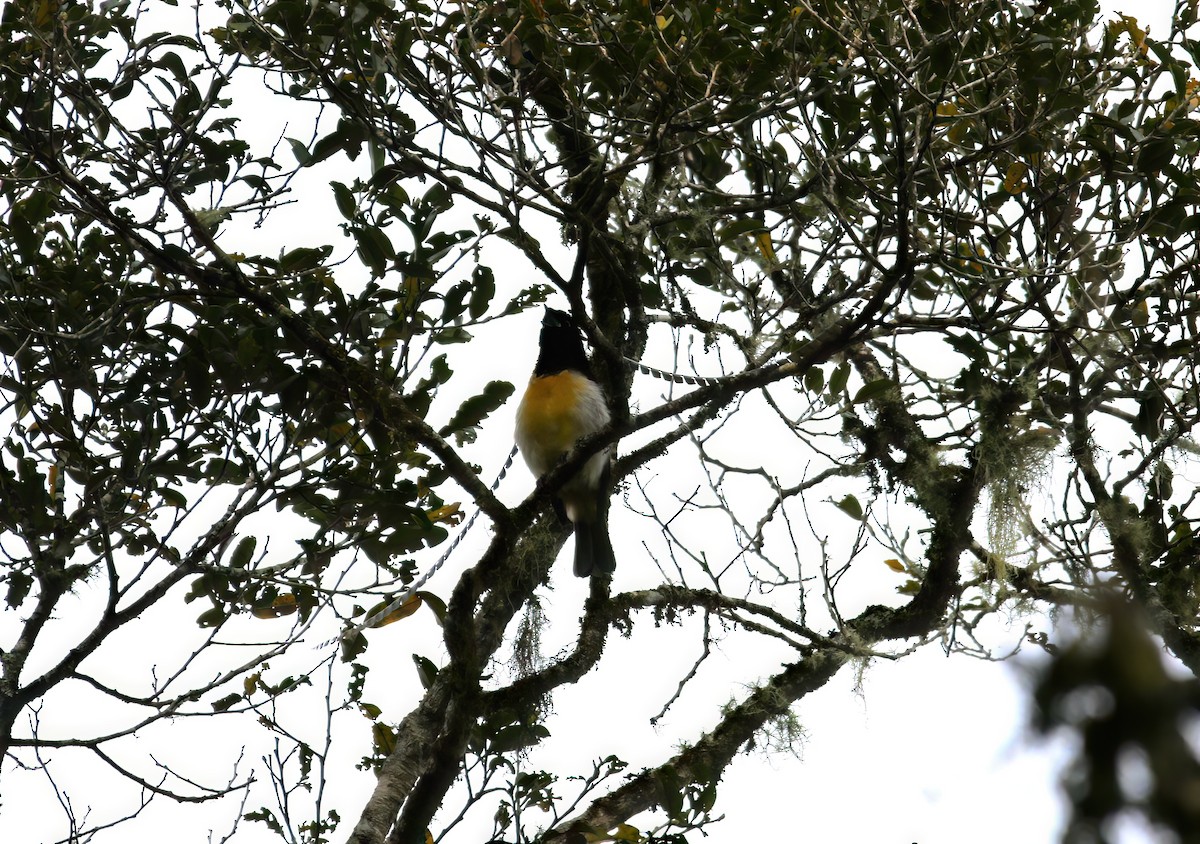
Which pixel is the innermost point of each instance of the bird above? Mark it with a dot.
(562, 405)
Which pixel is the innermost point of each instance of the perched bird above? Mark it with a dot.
(561, 406)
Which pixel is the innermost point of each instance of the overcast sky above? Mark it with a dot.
(926, 749)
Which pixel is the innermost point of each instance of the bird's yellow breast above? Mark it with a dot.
(548, 414)
(555, 412)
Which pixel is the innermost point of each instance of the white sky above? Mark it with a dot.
(927, 749)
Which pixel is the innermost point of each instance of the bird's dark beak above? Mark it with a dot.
(555, 318)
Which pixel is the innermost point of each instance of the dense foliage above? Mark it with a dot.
(264, 264)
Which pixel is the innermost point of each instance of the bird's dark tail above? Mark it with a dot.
(593, 549)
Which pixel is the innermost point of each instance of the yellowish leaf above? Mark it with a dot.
(44, 12)
(763, 241)
(1014, 179)
(969, 252)
(958, 131)
(450, 514)
(662, 21)
(383, 736)
(249, 684)
(339, 430)
(625, 832)
(1129, 25)
(281, 606)
(894, 565)
(403, 611)
(412, 285)
(1141, 313)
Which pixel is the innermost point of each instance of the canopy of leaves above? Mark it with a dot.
(944, 253)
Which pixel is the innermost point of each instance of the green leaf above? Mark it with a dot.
(211, 618)
(967, 346)
(737, 228)
(837, 381)
(670, 792)
(475, 409)
(244, 551)
(814, 379)
(353, 646)
(300, 151)
(377, 153)
(220, 470)
(517, 737)
(1155, 154)
(267, 818)
(850, 506)
(426, 670)
(173, 498)
(330, 145)
(374, 248)
(454, 334)
(454, 302)
(874, 389)
(304, 259)
(226, 703)
(436, 604)
(344, 199)
(171, 61)
(482, 291)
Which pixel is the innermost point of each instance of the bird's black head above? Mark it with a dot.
(561, 345)
(555, 318)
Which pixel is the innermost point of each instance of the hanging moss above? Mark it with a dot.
(1014, 459)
